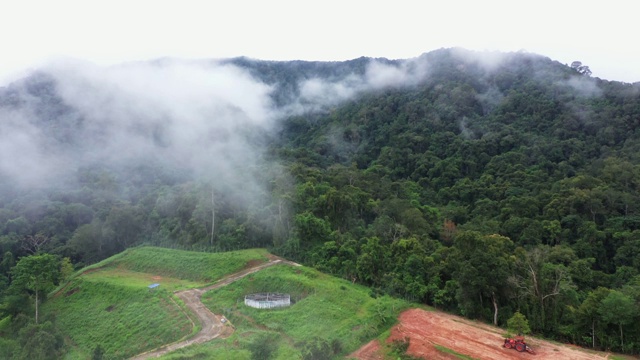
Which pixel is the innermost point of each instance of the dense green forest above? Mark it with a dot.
(480, 184)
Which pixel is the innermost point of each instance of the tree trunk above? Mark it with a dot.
(36, 306)
(593, 334)
(213, 215)
(495, 309)
(621, 338)
(542, 315)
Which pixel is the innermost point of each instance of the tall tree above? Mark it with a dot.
(589, 310)
(538, 279)
(582, 69)
(484, 264)
(620, 309)
(33, 243)
(37, 274)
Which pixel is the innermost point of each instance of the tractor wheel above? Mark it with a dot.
(507, 344)
(520, 347)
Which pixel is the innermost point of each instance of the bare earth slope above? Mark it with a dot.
(212, 325)
(479, 341)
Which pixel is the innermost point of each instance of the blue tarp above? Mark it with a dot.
(153, 286)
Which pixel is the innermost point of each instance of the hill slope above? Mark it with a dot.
(388, 173)
(110, 305)
(436, 335)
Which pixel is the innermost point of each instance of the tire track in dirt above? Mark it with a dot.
(212, 325)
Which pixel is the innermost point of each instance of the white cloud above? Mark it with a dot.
(194, 117)
(584, 86)
(23, 158)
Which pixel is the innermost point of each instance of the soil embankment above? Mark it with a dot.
(426, 329)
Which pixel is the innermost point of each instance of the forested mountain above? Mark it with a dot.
(479, 183)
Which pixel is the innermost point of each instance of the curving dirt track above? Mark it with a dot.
(479, 341)
(212, 325)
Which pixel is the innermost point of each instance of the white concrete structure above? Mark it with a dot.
(267, 300)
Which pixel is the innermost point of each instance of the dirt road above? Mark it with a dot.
(426, 329)
(212, 325)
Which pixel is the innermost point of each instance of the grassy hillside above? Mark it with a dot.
(109, 304)
(329, 318)
(187, 265)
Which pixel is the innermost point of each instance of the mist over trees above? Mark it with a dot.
(485, 184)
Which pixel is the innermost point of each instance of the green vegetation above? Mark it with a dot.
(518, 324)
(329, 317)
(454, 353)
(621, 357)
(112, 306)
(398, 349)
(479, 190)
(36, 273)
(123, 320)
(187, 265)
(123, 277)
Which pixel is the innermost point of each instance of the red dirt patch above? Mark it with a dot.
(425, 329)
(370, 351)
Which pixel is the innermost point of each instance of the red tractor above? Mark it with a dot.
(518, 343)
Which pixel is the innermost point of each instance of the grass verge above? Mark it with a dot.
(454, 353)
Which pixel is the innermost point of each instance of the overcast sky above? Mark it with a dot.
(602, 36)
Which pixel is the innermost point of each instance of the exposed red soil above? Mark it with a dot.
(425, 329)
(370, 351)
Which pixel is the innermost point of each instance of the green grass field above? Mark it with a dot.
(109, 304)
(124, 320)
(186, 265)
(330, 316)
